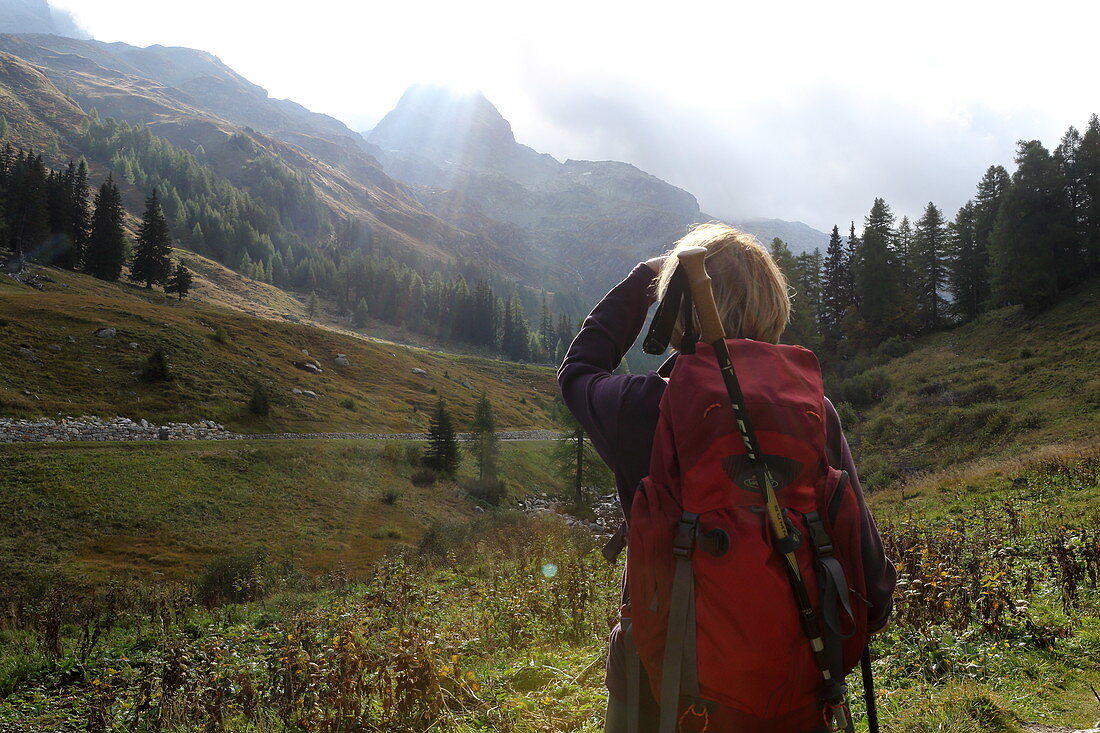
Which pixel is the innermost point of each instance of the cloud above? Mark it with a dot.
(820, 156)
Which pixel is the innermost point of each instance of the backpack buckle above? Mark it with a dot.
(683, 544)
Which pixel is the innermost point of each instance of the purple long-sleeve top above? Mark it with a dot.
(619, 412)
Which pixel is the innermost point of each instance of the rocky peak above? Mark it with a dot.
(459, 132)
(36, 16)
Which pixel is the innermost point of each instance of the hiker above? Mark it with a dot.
(620, 413)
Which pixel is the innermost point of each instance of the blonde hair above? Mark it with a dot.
(751, 292)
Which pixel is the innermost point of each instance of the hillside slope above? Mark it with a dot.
(1002, 385)
(51, 362)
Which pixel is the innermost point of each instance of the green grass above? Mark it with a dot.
(164, 509)
(1000, 386)
(214, 376)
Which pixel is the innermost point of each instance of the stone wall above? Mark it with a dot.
(87, 428)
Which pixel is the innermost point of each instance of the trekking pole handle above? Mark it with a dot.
(710, 322)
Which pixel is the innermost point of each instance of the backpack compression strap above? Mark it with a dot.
(784, 538)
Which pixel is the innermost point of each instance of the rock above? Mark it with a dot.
(506, 380)
(342, 360)
(418, 370)
(72, 340)
(305, 352)
(106, 333)
(308, 366)
(310, 393)
(292, 318)
(133, 345)
(54, 347)
(26, 353)
(467, 385)
(296, 391)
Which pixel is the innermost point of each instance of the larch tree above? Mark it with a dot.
(966, 266)
(1032, 226)
(987, 206)
(1088, 164)
(484, 442)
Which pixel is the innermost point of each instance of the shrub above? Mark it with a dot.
(391, 495)
(893, 348)
(488, 490)
(392, 452)
(259, 404)
(423, 477)
(867, 388)
(386, 533)
(413, 455)
(847, 414)
(441, 537)
(348, 404)
(243, 576)
(220, 335)
(156, 367)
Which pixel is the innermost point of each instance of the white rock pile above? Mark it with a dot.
(46, 430)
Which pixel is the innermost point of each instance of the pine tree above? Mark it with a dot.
(880, 302)
(180, 282)
(1034, 225)
(835, 282)
(27, 205)
(80, 217)
(442, 453)
(929, 267)
(152, 262)
(312, 304)
(107, 242)
(484, 442)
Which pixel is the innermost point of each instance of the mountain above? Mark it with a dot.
(798, 236)
(596, 217)
(194, 101)
(37, 16)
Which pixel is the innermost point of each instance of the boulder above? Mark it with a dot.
(54, 347)
(106, 333)
(133, 345)
(342, 360)
(310, 393)
(26, 353)
(418, 370)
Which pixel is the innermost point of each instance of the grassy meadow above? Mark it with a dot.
(298, 603)
(217, 355)
(331, 586)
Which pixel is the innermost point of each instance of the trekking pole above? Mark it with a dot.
(869, 690)
(785, 540)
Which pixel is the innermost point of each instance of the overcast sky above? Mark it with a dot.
(801, 111)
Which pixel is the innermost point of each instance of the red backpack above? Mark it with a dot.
(712, 616)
